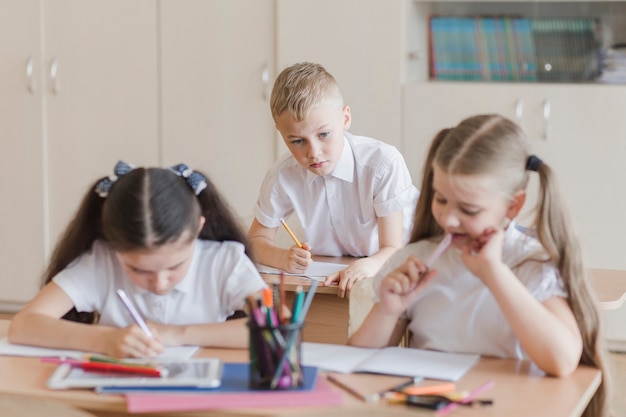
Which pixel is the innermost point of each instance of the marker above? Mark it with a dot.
(133, 312)
(295, 239)
(441, 248)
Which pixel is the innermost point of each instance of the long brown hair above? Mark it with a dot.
(493, 145)
(144, 209)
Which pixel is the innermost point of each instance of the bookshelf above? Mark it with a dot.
(561, 22)
(576, 127)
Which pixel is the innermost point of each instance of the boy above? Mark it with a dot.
(353, 195)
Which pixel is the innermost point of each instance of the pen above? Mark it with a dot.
(133, 312)
(439, 250)
(295, 239)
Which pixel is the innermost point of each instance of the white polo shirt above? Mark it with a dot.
(219, 279)
(456, 312)
(339, 212)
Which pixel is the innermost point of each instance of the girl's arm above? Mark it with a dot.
(39, 323)
(379, 330)
(390, 238)
(228, 334)
(547, 331)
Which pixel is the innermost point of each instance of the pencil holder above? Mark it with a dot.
(275, 356)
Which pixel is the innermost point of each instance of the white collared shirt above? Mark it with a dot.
(219, 278)
(456, 312)
(339, 212)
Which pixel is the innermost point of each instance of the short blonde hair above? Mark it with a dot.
(301, 87)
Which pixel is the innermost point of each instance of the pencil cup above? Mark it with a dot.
(275, 356)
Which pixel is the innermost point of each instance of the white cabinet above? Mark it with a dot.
(217, 68)
(21, 152)
(577, 129)
(360, 42)
(91, 100)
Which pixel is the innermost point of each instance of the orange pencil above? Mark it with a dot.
(295, 239)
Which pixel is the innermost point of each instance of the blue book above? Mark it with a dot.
(235, 378)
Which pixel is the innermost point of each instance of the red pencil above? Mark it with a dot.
(109, 367)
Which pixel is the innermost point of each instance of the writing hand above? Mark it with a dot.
(298, 259)
(132, 342)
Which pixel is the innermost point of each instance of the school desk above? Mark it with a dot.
(519, 391)
(610, 286)
(330, 319)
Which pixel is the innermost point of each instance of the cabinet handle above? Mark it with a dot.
(54, 82)
(265, 82)
(519, 109)
(29, 75)
(547, 109)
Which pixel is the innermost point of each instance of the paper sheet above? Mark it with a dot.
(389, 361)
(10, 349)
(317, 270)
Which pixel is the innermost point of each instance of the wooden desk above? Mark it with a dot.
(520, 390)
(610, 287)
(331, 319)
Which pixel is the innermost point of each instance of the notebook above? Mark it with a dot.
(389, 361)
(11, 349)
(317, 270)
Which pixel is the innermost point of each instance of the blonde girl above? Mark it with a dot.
(498, 291)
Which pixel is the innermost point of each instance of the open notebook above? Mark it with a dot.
(390, 361)
(317, 270)
(10, 349)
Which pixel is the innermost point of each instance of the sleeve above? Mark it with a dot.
(272, 203)
(85, 280)
(394, 187)
(542, 280)
(241, 278)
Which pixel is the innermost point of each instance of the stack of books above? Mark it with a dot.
(511, 48)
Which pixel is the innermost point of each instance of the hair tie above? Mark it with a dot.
(194, 179)
(533, 163)
(103, 187)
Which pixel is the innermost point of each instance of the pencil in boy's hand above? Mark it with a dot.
(295, 239)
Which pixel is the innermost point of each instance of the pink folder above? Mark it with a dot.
(321, 395)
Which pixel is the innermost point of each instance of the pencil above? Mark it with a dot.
(295, 239)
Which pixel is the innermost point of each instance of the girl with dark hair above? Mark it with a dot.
(168, 239)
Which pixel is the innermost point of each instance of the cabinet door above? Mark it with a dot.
(216, 72)
(360, 42)
(577, 130)
(21, 153)
(101, 73)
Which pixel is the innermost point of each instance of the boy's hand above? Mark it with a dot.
(298, 259)
(347, 277)
(132, 342)
(400, 287)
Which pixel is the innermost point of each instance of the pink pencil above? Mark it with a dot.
(441, 248)
(472, 395)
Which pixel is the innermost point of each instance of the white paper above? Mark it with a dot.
(315, 271)
(10, 349)
(390, 361)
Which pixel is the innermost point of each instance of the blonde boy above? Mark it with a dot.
(353, 195)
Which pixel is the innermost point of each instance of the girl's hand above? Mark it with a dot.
(132, 342)
(169, 335)
(400, 287)
(483, 253)
(298, 258)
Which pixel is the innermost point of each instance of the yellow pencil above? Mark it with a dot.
(295, 239)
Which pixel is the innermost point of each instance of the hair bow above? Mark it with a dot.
(103, 187)
(194, 179)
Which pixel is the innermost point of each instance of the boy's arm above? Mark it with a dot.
(390, 235)
(292, 260)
